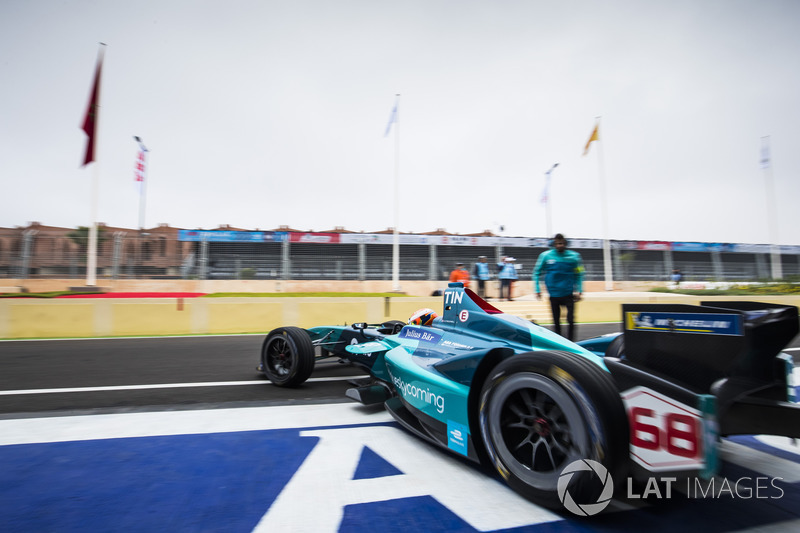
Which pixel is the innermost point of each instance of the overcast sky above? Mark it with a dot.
(265, 113)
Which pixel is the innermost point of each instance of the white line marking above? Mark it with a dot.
(786, 444)
(162, 386)
(763, 462)
(127, 425)
(777, 527)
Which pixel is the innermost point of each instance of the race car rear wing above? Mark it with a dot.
(728, 350)
(699, 345)
(691, 373)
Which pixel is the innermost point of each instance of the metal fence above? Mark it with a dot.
(162, 255)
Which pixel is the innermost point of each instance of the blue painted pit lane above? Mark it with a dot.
(249, 469)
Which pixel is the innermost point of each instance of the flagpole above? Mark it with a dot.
(396, 235)
(91, 259)
(547, 212)
(609, 274)
(142, 179)
(775, 254)
(142, 182)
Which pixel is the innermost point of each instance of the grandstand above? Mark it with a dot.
(164, 252)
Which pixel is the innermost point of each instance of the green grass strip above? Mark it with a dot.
(784, 289)
(53, 294)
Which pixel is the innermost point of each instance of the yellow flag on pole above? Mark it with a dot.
(594, 137)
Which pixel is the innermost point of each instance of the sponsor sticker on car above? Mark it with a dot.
(457, 437)
(420, 334)
(708, 323)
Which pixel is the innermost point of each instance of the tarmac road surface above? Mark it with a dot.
(103, 375)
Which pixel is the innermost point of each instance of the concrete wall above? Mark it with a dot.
(101, 317)
(522, 287)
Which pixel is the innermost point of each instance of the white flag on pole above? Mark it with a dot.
(392, 119)
(546, 191)
(764, 152)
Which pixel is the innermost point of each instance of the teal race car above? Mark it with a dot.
(565, 423)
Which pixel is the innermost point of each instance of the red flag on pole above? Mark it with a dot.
(90, 121)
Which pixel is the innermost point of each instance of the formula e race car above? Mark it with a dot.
(557, 420)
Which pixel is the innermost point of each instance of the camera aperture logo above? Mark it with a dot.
(589, 466)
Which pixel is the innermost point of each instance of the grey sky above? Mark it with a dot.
(266, 113)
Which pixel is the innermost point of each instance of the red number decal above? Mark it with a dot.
(643, 435)
(680, 436)
(676, 434)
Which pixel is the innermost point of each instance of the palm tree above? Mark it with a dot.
(80, 236)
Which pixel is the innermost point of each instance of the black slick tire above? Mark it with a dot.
(539, 413)
(287, 356)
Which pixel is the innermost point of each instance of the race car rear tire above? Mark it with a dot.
(287, 356)
(542, 415)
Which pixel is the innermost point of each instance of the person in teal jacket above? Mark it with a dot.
(563, 276)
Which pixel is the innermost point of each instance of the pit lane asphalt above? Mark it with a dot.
(223, 369)
(37, 369)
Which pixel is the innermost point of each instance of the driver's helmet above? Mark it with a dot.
(423, 317)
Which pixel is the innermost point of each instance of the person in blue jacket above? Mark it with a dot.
(563, 276)
(507, 274)
(481, 272)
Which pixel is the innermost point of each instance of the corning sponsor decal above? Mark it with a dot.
(710, 323)
(418, 393)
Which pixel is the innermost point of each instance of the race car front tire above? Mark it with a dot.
(287, 356)
(542, 416)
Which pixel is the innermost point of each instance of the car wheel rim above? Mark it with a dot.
(537, 429)
(279, 357)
